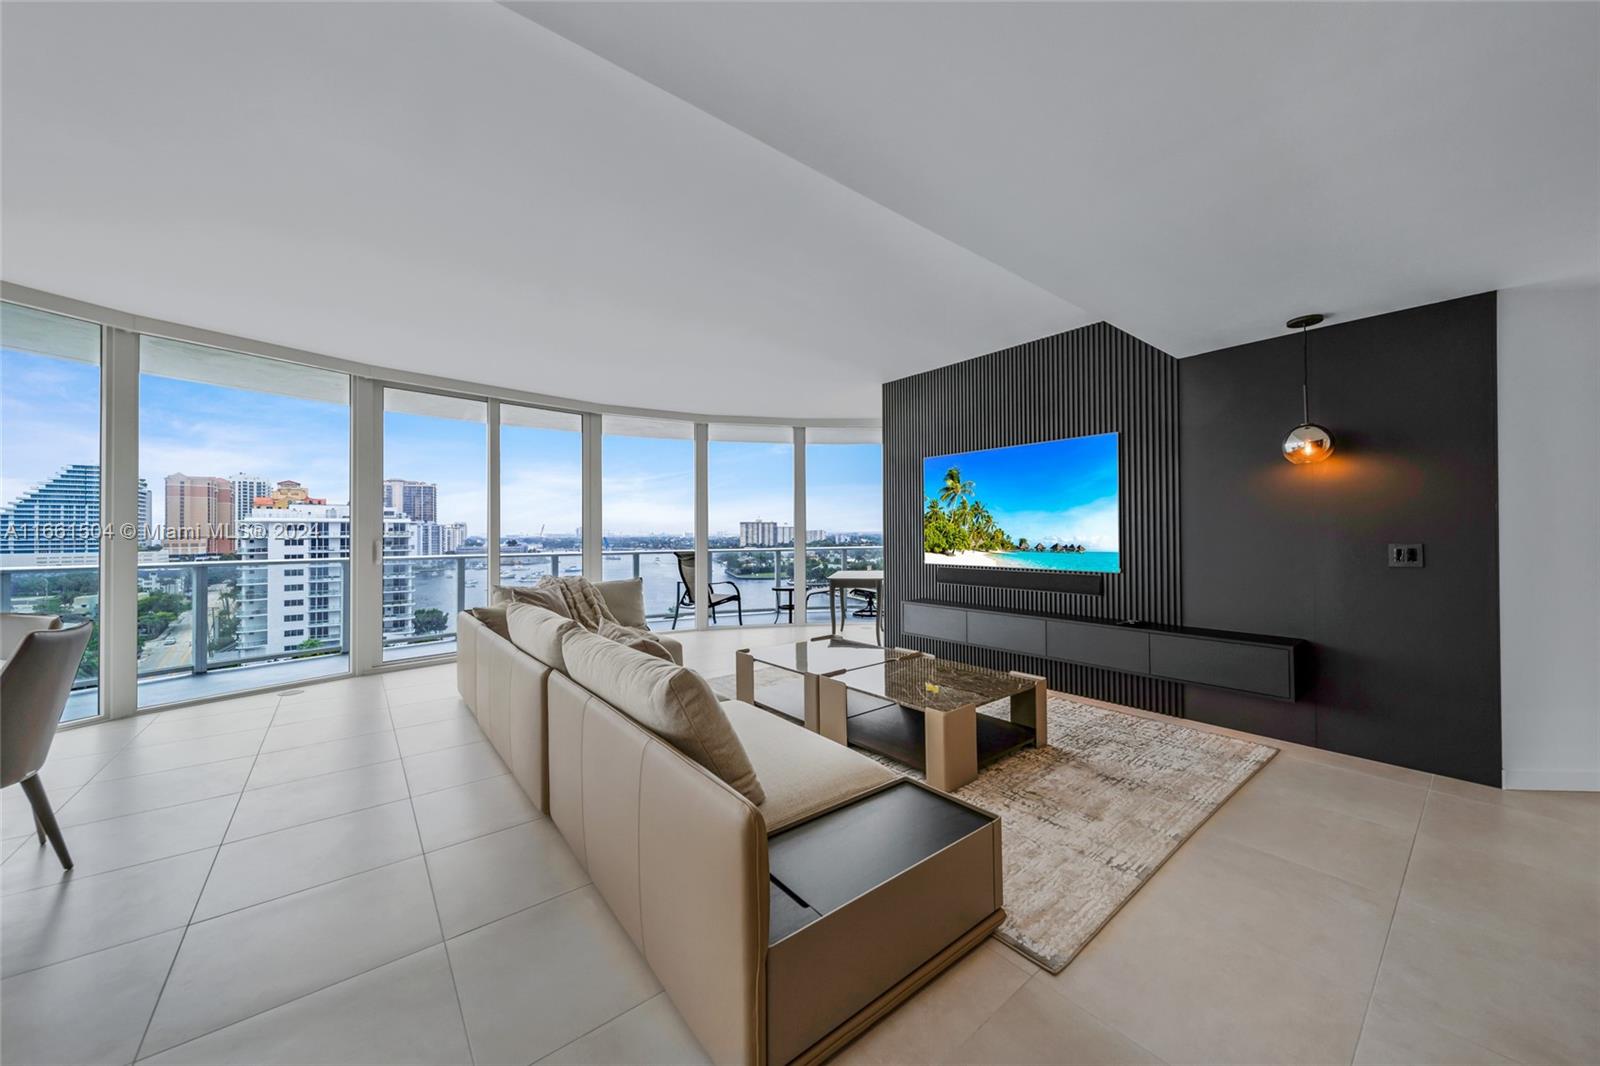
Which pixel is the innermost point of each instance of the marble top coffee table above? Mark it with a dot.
(929, 718)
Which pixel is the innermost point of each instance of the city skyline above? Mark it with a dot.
(195, 428)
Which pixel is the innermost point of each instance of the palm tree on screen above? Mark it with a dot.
(955, 490)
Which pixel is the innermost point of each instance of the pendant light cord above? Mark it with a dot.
(1305, 375)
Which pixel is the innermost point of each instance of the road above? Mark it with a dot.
(159, 655)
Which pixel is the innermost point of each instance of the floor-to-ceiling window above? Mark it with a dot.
(541, 494)
(243, 576)
(844, 509)
(435, 518)
(50, 525)
(751, 534)
(647, 508)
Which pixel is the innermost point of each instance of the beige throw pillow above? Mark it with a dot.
(547, 597)
(672, 702)
(539, 632)
(492, 617)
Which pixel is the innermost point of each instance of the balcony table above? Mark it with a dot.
(841, 582)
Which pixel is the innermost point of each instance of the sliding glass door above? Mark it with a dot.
(750, 533)
(243, 578)
(435, 519)
(541, 494)
(647, 509)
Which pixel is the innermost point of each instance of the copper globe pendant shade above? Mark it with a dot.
(1307, 442)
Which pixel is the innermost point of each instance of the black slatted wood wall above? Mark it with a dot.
(1097, 379)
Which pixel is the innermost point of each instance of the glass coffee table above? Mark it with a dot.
(929, 715)
(808, 660)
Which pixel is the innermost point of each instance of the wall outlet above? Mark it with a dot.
(1408, 555)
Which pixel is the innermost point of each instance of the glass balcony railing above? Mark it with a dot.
(214, 626)
(762, 578)
(422, 594)
(73, 593)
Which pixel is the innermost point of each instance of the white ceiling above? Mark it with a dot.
(1194, 173)
(769, 209)
(452, 189)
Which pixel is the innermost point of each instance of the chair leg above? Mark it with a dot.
(738, 605)
(33, 788)
(38, 827)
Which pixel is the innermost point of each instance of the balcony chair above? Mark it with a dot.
(34, 685)
(714, 599)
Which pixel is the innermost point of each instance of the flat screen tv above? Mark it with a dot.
(1047, 506)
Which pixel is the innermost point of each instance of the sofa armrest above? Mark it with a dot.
(704, 897)
(625, 599)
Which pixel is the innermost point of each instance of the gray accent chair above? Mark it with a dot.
(34, 686)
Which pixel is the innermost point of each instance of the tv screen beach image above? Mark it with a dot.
(1048, 506)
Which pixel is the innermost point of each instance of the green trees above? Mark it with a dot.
(956, 521)
(429, 620)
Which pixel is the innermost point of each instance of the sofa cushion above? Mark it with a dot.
(539, 632)
(673, 645)
(545, 596)
(672, 702)
(802, 772)
(624, 598)
(492, 617)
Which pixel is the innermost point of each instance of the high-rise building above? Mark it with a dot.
(282, 608)
(758, 534)
(146, 508)
(60, 519)
(245, 490)
(199, 518)
(417, 500)
(437, 538)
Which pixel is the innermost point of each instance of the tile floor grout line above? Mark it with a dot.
(438, 916)
(114, 870)
(148, 810)
(96, 951)
(173, 965)
(1043, 975)
(1377, 971)
(322, 773)
(657, 994)
(308, 888)
(289, 1002)
(519, 910)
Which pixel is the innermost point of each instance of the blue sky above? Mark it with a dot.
(49, 417)
(1057, 491)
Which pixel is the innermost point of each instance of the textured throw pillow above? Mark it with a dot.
(672, 702)
(547, 597)
(494, 618)
(539, 632)
(637, 639)
(625, 598)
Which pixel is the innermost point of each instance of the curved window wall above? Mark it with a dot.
(293, 517)
(50, 527)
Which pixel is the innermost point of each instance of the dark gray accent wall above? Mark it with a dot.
(1405, 665)
(1097, 379)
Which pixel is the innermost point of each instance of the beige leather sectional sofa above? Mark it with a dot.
(780, 927)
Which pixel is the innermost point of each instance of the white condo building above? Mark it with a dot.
(284, 606)
(246, 487)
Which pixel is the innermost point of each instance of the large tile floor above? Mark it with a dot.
(347, 874)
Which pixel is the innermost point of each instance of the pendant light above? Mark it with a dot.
(1307, 442)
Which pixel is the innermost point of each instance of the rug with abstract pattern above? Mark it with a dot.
(1089, 819)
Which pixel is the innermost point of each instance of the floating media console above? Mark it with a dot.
(1244, 662)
